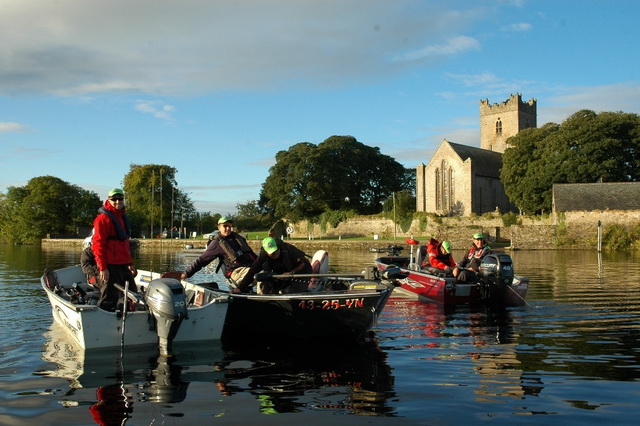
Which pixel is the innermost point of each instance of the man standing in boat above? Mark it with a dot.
(280, 258)
(467, 269)
(231, 248)
(112, 250)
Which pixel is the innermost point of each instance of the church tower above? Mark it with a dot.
(500, 121)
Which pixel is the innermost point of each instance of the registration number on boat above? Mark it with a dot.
(331, 304)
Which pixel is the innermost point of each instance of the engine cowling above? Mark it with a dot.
(496, 270)
(166, 300)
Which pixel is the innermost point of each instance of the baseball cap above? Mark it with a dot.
(269, 245)
(478, 236)
(224, 219)
(116, 191)
(446, 246)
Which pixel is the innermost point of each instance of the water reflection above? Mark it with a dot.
(287, 377)
(571, 353)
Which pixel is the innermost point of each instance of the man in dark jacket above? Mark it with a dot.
(280, 258)
(231, 248)
(467, 269)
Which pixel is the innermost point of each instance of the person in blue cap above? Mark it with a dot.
(232, 250)
(280, 258)
(467, 269)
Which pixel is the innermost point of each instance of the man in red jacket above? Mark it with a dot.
(112, 249)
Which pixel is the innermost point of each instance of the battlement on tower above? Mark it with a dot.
(514, 103)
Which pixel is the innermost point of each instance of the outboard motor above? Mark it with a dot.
(496, 274)
(167, 303)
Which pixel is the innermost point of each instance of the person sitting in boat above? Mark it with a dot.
(467, 269)
(280, 258)
(231, 248)
(439, 257)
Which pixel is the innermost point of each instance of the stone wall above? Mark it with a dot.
(570, 230)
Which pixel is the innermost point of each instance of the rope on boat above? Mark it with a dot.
(516, 293)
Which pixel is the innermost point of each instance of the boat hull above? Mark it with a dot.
(446, 291)
(92, 327)
(344, 314)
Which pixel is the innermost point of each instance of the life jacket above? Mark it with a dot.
(478, 253)
(435, 257)
(240, 255)
(122, 233)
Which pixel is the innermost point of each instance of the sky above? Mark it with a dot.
(216, 88)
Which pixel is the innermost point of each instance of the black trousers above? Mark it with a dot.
(110, 297)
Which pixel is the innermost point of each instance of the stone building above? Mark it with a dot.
(607, 201)
(460, 180)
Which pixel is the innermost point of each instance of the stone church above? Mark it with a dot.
(461, 180)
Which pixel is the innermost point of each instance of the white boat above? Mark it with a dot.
(165, 310)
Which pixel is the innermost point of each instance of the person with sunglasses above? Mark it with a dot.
(112, 250)
(467, 269)
(230, 248)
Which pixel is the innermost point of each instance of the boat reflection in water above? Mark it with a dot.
(463, 339)
(345, 377)
(136, 375)
(350, 377)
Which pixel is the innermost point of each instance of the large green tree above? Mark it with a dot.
(587, 147)
(337, 174)
(46, 205)
(154, 201)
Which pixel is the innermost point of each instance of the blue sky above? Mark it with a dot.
(216, 88)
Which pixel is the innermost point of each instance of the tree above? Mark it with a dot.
(154, 200)
(587, 147)
(400, 208)
(46, 205)
(337, 174)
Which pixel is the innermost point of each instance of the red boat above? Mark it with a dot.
(497, 286)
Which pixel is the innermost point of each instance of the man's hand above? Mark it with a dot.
(104, 275)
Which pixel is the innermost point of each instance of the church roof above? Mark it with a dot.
(485, 162)
(596, 196)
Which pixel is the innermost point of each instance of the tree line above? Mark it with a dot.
(338, 177)
(334, 180)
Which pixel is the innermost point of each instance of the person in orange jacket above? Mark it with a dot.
(439, 256)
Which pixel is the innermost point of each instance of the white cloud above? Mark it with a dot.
(453, 46)
(156, 108)
(614, 97)
(71, 47)
(518, 27)
(11, 126)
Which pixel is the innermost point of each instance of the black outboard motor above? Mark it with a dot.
(167, 303)
(496, 274)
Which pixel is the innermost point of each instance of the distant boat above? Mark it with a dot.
(497, 286)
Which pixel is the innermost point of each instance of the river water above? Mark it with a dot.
(571, 355)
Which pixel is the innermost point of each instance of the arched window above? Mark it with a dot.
(499, 127)
(437, 186)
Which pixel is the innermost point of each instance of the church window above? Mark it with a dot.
(438, 205)
(499, 127)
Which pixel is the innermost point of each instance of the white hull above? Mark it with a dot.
(91, 327)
